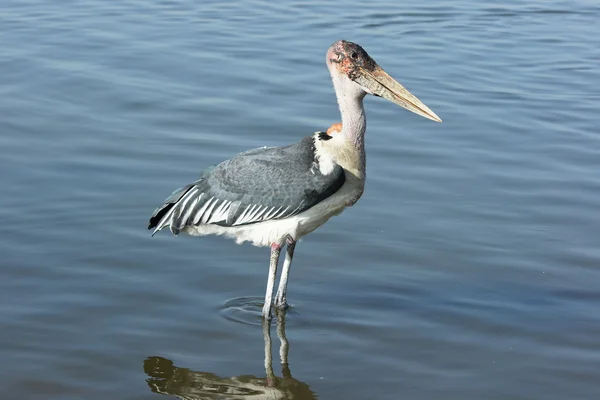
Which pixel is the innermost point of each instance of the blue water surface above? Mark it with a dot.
(468, 270)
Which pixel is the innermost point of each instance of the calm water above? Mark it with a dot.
(470, 269)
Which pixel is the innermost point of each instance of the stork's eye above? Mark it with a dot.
(354, 55)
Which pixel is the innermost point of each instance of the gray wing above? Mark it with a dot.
(254, 186)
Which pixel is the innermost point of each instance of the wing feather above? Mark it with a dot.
(258, 185)
(208, 211)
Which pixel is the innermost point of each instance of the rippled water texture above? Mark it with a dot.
(468, 270)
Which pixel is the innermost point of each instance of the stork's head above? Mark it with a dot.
(354, 72)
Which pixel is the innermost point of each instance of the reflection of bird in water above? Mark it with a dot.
(273, 196)
(165, 378)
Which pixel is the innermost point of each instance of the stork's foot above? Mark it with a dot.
(281, 303)
(266, 311)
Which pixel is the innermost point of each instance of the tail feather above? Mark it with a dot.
(160, 217)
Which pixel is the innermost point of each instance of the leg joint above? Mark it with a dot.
(275, 246)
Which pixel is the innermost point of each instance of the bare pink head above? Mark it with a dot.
(354, 72)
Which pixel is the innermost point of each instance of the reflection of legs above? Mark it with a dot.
(266, 325)
(284, 346)
(275, 250)
(281, 297)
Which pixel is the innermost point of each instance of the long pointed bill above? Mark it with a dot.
(383, 85)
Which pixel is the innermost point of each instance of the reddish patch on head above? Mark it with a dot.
(333, 129)
(347, 57)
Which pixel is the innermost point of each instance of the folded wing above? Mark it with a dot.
(255, 186)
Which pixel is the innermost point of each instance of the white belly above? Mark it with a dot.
(276, 231)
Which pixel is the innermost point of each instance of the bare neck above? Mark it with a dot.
(354, 121)
(352, 155)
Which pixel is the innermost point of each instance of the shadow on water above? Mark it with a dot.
(165, 378)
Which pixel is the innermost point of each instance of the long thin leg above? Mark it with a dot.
(275, 250)
(281, 297)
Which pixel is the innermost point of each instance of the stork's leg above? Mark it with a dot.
(281, 297)
(275, 250)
